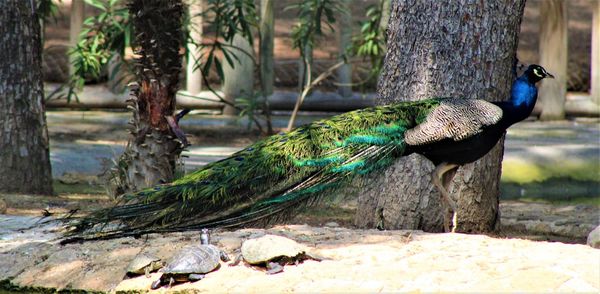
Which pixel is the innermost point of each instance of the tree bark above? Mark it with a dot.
(24, 148)
(152, 153)
(443, 49)
(553, 56)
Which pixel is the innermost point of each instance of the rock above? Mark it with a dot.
(230, 243)
(3, 206)
(76, 178)
(332, 224)
(593, 238)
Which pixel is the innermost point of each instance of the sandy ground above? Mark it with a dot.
(358, 261)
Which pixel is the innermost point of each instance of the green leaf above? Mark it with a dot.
(219, 68)
(96, 4)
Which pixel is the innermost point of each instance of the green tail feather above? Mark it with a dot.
(267, 180)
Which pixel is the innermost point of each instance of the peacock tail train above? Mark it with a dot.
(268, 180)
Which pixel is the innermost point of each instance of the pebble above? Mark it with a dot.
(332, 224)
(593, 238)
(230, 243)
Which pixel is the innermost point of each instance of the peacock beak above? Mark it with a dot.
(549, 75)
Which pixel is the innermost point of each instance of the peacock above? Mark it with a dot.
(270, 179)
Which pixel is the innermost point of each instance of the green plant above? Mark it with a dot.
(110, 32)
(312, 16)
(103, 36)
(250, 104)
(225, 19)
(370, 42)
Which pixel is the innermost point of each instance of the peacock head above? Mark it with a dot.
(536, 73)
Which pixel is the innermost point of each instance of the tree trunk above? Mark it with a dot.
(24, 155)
(437, 49)
(553, 56)
(152, 153)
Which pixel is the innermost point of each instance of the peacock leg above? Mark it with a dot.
(442, 177)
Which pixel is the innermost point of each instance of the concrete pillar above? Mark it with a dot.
(385, 15)
(239, 79)
(595, 65)
(77, 16)
(193, 78)
(553, 57)
(267, 30)
(344, 73)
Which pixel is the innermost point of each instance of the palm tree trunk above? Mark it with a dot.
(152, 153)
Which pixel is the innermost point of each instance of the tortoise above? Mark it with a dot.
(273, 252)
(191, 263)
(144, 264)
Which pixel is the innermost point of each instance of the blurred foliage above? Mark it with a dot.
(47, 10)
(370, 42)
(312, 16)
(103, 36)
(110, 32)
(250, 105)
(225, 19)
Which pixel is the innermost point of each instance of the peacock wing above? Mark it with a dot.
(455, 119)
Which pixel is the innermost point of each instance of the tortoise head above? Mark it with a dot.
(204, 237)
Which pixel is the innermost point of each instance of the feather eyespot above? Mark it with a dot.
(239, 158)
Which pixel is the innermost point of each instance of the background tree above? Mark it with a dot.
(443, 48)
(24, 155)
(152, 153)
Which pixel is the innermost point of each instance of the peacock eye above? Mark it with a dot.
(537, 73)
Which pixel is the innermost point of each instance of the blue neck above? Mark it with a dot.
(523, 93)
(522, 101)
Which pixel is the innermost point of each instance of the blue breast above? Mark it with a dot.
(523, 92)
